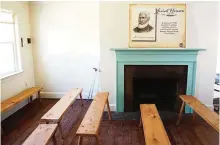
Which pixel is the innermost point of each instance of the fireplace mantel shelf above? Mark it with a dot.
(158, 49)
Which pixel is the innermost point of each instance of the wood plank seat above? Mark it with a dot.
(11, 102)
(154, 131)
(91, 121)
(42, 135)
(208, 115)
(55, 114)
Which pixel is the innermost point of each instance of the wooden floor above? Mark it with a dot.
(122, 131)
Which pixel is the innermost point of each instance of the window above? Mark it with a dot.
(9, 47)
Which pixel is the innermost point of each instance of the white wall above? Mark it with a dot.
(66, 45)
(202, 32)
(12, 85)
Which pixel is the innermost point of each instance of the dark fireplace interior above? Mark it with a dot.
(154, 84)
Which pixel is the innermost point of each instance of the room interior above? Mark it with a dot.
(78, 61)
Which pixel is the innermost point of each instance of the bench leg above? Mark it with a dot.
(61, 131)
(140, 124)
(2, 131)
(98, 139)
(81, 98)
(30, 99)
(80, 140)
(109, 112)
(54, 140)
(181, 113)
(194, 116)
(39, 96)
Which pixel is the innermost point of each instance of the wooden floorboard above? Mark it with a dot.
(123, 130)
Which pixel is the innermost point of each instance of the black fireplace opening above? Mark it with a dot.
(154, 84)
(159, 91)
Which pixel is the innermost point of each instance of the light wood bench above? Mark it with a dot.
(55, 114)
(42, 135)
(154, 131)
(11, 102)
(91, 121)
(208, 115)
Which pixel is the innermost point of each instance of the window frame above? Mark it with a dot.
(15, 44)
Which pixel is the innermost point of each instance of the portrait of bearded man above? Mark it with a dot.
(143, 23)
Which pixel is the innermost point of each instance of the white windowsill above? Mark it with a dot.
(3, 78)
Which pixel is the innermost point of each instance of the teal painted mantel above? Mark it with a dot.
(155, 56)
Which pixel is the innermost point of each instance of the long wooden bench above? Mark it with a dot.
(208, 115)
(11, 102)
(91, 121)
(55, 114)
(154, 131)
(42, 135)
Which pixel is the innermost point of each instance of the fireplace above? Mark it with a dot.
(179, 65)
(154, 84)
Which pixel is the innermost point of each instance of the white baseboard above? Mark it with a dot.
(112, 107)
(58, 95)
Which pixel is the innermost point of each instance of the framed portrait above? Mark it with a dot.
(157, 25)
(144, 24)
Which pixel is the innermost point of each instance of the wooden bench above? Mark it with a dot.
(55, 114)
(11, 102)
(42, 135)
(154, 131)
(91, 121)
(208, 115)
